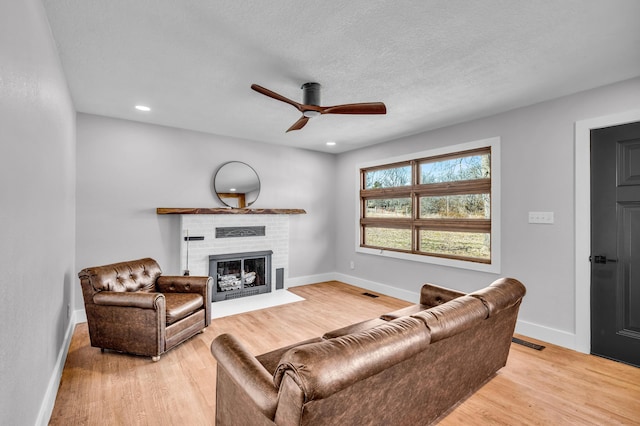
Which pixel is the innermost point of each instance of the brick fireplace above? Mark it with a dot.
(231, 234)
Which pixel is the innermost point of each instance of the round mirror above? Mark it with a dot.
(236, 184)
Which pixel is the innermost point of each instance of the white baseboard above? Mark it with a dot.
(398, 293)
(310, 279)
(387, 290)
(79, 316)
(547, 334)
(49, 400)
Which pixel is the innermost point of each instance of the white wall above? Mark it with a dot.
(537, 175)
(126, 170)
(37, 214)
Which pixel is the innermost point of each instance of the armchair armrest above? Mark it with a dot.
(188, 284)
(142, 300)
(247, 372)
(182, 284)
(433, 295)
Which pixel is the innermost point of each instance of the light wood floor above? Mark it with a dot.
(554, 386)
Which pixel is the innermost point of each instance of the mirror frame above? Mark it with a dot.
(236, 175)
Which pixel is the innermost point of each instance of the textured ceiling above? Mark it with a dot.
(433, 63)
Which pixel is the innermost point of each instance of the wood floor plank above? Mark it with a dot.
(554, 386)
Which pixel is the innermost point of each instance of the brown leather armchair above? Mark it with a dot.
(132, 308)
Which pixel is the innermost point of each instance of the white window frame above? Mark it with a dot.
(494, 266)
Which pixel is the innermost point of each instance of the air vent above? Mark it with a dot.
(527, 344)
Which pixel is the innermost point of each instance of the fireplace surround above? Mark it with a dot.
(208, 232)
(240, 274)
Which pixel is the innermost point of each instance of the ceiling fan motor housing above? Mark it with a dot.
(311, 104)
(311, 94)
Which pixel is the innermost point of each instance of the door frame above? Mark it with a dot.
(582, 224)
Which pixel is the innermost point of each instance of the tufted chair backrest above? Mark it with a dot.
(135, 275)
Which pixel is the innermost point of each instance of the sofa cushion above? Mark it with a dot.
(404, 312)
(453, 317)
(180, 305)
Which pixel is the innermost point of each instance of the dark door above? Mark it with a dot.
(615, 243)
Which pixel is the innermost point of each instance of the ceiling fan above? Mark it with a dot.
(310, 106)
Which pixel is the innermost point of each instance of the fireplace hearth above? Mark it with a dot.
(240, 274)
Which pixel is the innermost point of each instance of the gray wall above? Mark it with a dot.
(37, 217)
(127, 169)
(537, 175)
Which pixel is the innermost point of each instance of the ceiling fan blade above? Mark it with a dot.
(298, 124)
(363, 108)
(276, 96)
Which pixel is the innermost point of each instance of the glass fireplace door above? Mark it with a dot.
(240, 274)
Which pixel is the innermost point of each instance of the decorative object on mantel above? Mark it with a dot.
(219, 210)
(187, 239)
(236, 184)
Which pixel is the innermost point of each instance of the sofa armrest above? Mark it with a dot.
(502, 294)
(247, 372)
(270, 360)
(182, 284)
(141, 299)
(433, 295)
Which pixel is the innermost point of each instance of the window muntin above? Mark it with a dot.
(435, 206)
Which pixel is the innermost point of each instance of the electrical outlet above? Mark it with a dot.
(352, 265)
(68, 311)
(541, 217)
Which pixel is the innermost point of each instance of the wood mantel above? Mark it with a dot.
(220, 210)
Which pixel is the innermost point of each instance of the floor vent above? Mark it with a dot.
(370, 295)
(527, 344)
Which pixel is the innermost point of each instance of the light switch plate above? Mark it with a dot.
(541, 217)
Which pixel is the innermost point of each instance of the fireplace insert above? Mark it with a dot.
(240, 274)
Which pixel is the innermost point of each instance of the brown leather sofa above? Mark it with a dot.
(405, 368)
(131, 307)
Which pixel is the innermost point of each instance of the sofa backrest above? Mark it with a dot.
(326, 367)
(131, 276)
(453, 317)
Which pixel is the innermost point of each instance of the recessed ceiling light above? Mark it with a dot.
(143, 108)
(331, 143)
(232, 190)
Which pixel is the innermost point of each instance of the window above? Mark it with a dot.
(437, 206)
